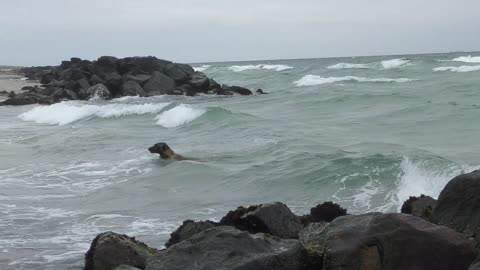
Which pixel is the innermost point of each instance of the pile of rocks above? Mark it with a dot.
(110, 77)
(430, 234)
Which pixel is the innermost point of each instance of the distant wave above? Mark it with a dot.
(310, 80)
(180, 115)
(467, 59)
(263, 66)
(70, 111)
(458, 69)
(395, 63)
(201, 68)
(348, 66)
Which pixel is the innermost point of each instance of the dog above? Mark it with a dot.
(166, 152)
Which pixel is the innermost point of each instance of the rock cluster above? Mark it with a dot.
(428, 234)
(110, 77)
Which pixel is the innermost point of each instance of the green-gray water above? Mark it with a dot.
(365, 132)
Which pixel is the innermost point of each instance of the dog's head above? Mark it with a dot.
(162, 149)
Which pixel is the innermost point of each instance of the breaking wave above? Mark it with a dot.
(467, 59)
(201, 68)
(310, 80)
(348, 66)
(70, 111)
(178, 116)
(263, 66)
(458, 69)
(395, 63)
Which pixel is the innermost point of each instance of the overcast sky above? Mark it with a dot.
(37, 32)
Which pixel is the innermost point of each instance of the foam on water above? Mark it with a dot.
(237, 68)
(467, 59)
(458, 69)
(348, 66)
(201, 68)
(310, 80)
(395, 63)
(180, 115)
(70, 111)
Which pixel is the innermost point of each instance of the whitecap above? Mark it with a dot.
(70, 111)
(458, 69)
(237, 68)
(180, 115)
(201, 68)
(467, 59)
(310, 80)
(395, 63)
(348, 66)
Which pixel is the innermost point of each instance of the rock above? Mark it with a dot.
(12, 94)
(185, 89)
(274, 218)
(83, 84)
(458, 205)
(475, 265)
(49, 90)
(159, 84)
(132, 88)
(139, 65)
(226, 248)
(98, 91)
(200, 82)
(4, 93)
(126, 267)
(232, 90)
(188, 229)
(47, 78)
(179, 72)
(109, 250)
(260, 92)
(64, 94)
(28, 98)
(96, 80)
(419, 206)
(27, 88)
(141, 79)
(326, 211)
(386, 242)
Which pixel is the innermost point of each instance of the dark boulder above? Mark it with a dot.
(419, 206)
(200, 82)
(326, 211)
(475, 265)
(139, 78)
(64, 94)
(132, 88)
(274, 218)
(159, 84)
(4, 93)
(260, 92)
(458, 205)
(226, 248)
(49, 90)
(138, 65)
(96, 80)
(27, 88)
(82, 84)
(180, 73)
(188, 229)
(28, 98)
(232, 90)
(109, 250)
(98, 91)
(386, 242)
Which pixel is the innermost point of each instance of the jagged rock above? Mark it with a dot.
(132, 88)
(159, 84)
(226, 248)
(64, 94)
(98, 91)
(96, 80)
(28, 98)
(386, 242)
(83, 84)
(458, 205)
(49, 90)
(139, 65)
(188, 229)
(141, 79)
(200, 82)
(260, 92)
(326, 211)
(109, 250)
(232, 90)
(419, 206)
(274, 218)
(179, 72)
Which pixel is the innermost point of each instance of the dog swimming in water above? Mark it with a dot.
(166, 152)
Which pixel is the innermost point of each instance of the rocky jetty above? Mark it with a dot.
(109, 77)
(428, 234)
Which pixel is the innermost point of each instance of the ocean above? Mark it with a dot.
(364, 132)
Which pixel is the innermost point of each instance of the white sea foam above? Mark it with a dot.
(458, 69)
(467, 59)
(71, 111)
(310, 80)
(348, 66)
(180, 115)
(395, 63)
(263, 66)
(201, 68)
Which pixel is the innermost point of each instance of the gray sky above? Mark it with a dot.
(36, 32)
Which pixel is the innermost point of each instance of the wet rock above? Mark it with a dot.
(98, 91)
(274, 218)
(4, 93)
(28, 98)
(386, 242)
(200, 82)
(132, 88)
(27, 88)
(159, 84)
(232, 90)
(326, 211)
(458, 205)
(188, 229)
(260, 92)
(64, 94)
(141, 79)
(180, 73)
(419, 206)
(109, 250)
(225, 247)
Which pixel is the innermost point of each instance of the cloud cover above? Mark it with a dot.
(37, 32)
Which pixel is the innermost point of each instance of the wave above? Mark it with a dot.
(348, 66)
(395, 63)
(201, 68)
(458, 69)
(70, 111)
(178, 116)
(255, 67)
(310, 80)
(467, 59)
